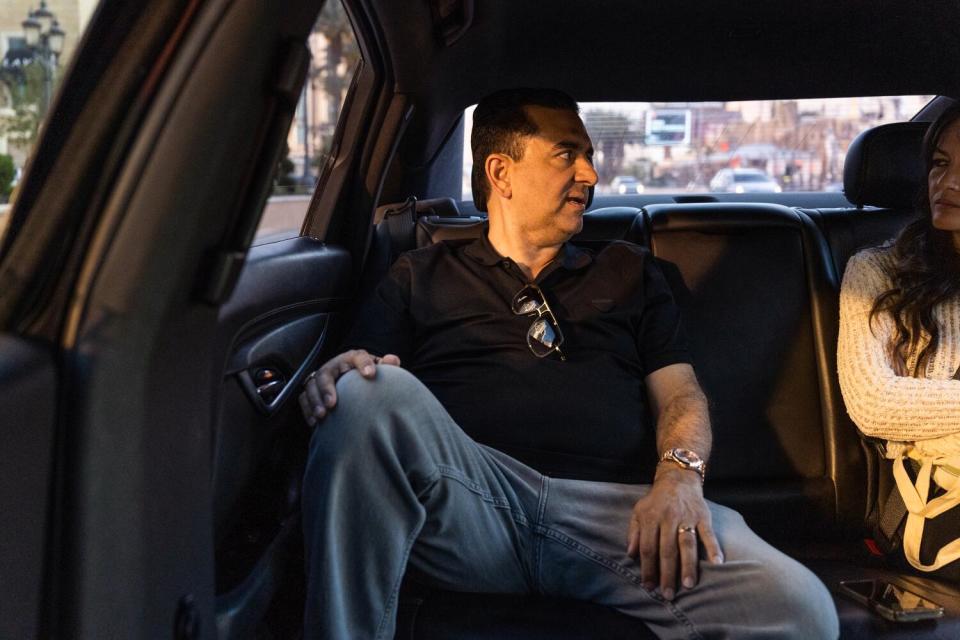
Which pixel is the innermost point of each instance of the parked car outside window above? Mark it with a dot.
(625, 184)
(744, 181)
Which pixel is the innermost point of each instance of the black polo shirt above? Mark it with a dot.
(445, 310)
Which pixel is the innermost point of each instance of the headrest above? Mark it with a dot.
(883, 166)
(600, 226)
(431, 207)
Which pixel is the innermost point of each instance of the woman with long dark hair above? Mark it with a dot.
(899, 353)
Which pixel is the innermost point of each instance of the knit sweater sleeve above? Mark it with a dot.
(881, 403)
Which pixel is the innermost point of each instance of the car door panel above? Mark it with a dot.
(28, 410)
(271, 363)
(279, 323)
(272, 332)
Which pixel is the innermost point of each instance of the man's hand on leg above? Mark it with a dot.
(320, 389)
(664, 528)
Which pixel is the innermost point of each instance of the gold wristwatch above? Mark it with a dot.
(686, 459)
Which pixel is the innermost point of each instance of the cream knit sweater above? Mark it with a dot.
(924, 412)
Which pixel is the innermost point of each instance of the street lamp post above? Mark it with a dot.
(44, 38)
(305, 179)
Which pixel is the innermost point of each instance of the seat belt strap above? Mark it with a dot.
(894, 511)
(401, 225)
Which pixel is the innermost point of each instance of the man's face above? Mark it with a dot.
(550, 182)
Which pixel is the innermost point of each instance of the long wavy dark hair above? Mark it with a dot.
(924, 270)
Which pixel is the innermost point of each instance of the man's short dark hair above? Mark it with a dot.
(500, 123)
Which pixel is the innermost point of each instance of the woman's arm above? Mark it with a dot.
(881, 403)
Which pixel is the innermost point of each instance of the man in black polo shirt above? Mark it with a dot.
(503, 455)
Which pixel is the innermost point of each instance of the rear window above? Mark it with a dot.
(671, 147)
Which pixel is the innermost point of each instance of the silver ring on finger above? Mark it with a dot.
(310, 376)
(685, 529)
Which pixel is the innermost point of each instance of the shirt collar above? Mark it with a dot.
(571, 257)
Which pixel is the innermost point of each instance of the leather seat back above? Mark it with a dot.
(752, 282)
(884, 175)
(600, 227)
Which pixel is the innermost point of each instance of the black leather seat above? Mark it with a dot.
(750, 280)
(445, 615)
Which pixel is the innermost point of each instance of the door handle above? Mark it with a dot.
(268, 392)
(268, 383)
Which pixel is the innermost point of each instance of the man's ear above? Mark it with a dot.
(498, 168)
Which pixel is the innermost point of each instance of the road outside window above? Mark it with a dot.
(764, 146)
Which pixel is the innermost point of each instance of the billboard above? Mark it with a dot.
(668, 127)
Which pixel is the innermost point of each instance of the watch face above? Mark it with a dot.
(687, 457)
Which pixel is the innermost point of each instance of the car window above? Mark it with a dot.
(790, 145)
(334, 61)
(37, 42)
(31, 68)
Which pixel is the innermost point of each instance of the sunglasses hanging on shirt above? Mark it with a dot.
(544, 336)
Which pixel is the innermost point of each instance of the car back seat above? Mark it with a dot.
(751, 281)
(427, 614)
(883, 176)
(758, 257)
(758, 286)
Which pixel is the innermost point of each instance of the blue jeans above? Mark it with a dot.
(393, 482)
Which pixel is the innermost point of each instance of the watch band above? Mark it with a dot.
(686, 459)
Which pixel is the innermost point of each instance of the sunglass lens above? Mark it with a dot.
(541, 337)
(524, 304)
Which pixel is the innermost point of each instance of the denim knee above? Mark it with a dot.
(390, 387)
(796, 595)
(366, 410)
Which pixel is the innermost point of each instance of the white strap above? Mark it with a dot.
(919, 509)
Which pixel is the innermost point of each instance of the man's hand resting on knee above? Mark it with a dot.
(320, 389)
(655, 538)
(667, 523)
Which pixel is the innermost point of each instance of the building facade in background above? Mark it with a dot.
(334, 60)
